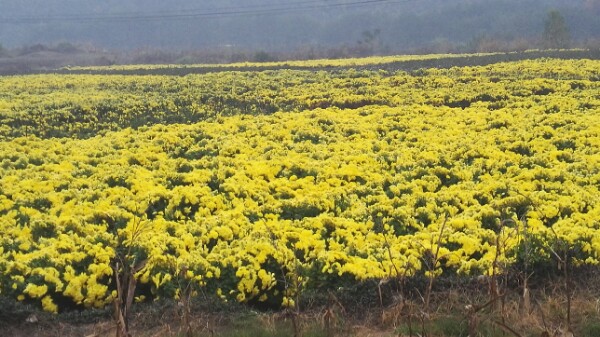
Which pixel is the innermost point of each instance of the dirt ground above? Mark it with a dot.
(455, 311)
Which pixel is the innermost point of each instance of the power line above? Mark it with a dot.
(175, 11)
(297, 6)
(184, 14)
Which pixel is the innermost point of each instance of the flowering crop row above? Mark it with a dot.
(81, 106)
(255, 206)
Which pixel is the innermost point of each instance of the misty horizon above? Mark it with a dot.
(385, 26)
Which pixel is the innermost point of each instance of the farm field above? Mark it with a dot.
(262, 186)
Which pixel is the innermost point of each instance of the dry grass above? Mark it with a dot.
(449, 317)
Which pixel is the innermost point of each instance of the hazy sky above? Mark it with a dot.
(270, 24)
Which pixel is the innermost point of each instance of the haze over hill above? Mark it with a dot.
(275, 26)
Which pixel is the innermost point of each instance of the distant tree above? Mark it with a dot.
(263, 56)
(370, 42)
(66, 48)
(592, 5)
(556, 32)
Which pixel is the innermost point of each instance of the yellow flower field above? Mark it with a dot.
(256, 185)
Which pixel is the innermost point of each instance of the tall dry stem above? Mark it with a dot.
(125, 267)
(432, 262)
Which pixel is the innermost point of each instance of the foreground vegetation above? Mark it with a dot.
(264, 187)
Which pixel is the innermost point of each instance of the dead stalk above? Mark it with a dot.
(564, 260)
(432, 262)
(185, 303)
(292, 283)
(126, 283)
(125, 267)
(400, 278)
(526, 293)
